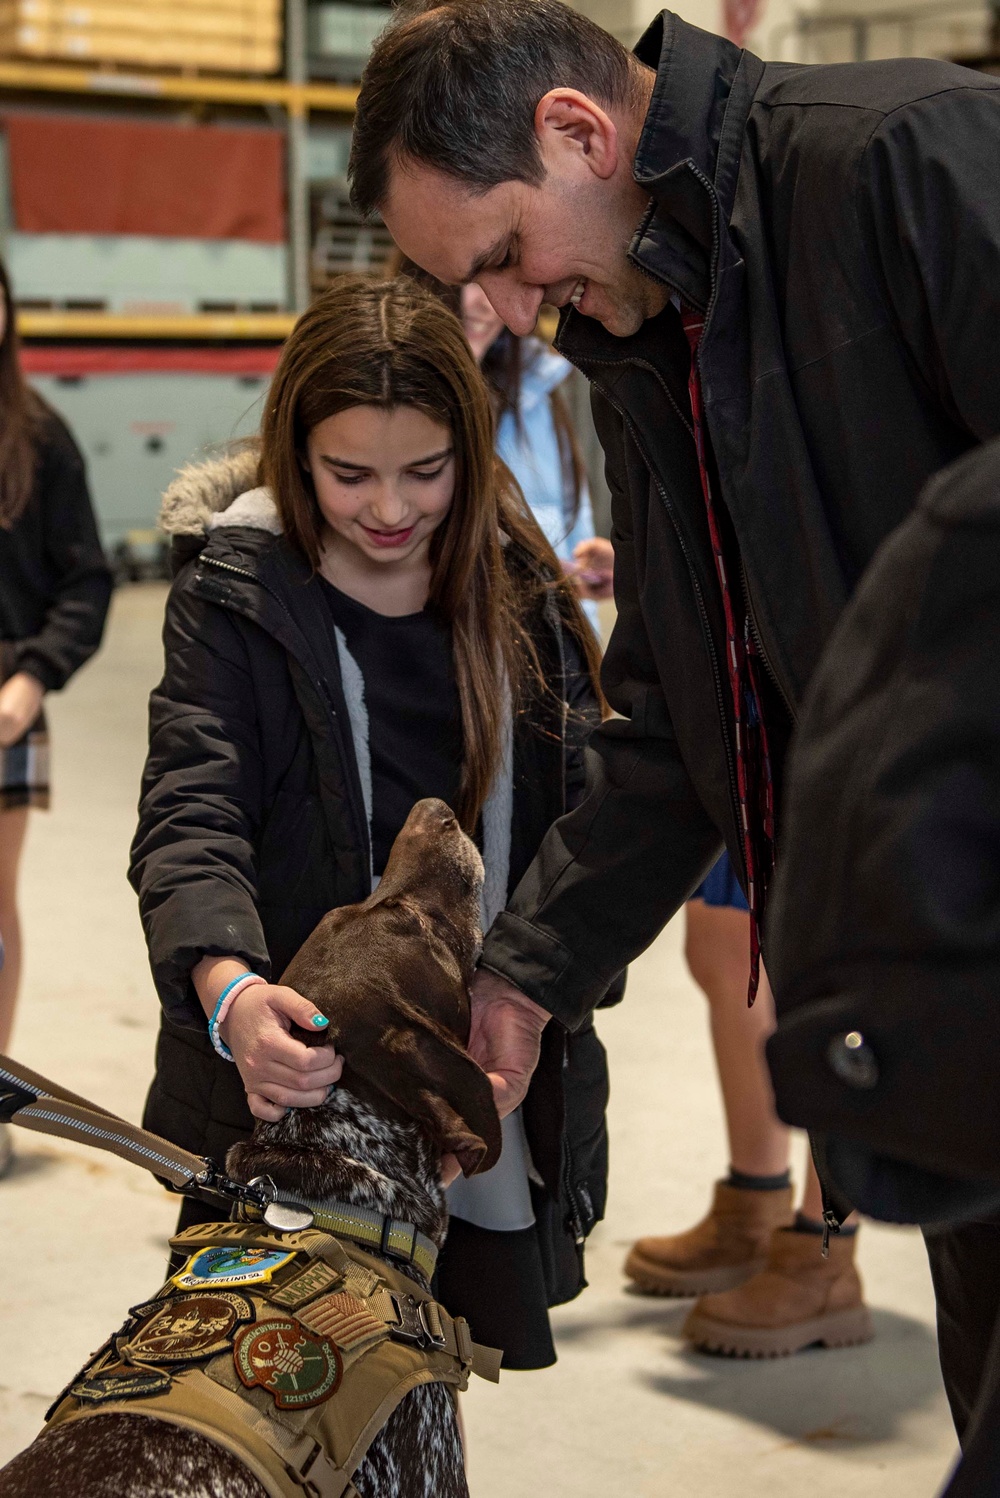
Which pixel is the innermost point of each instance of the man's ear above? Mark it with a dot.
(564, 117)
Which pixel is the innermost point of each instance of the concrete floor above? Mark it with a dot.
(626, 1409)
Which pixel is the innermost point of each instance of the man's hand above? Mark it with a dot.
(20, 703)
(505, 1037)
(278, 1071)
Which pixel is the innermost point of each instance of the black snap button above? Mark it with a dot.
(852, 1059)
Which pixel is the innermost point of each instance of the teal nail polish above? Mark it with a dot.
(319, 1020)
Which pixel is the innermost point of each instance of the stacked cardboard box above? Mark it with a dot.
(232, 36)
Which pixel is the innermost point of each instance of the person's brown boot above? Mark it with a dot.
(723, 1250)
(798, 1300)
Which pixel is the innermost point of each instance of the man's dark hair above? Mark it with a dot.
(455, 86)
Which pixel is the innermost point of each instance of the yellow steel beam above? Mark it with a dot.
(265, 326)
(64, 78)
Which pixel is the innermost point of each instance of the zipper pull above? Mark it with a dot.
(830, 1225)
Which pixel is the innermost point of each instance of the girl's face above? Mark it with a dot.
(481, 324)
(384, 481)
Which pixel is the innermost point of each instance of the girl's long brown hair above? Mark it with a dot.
(389, 344)
(21, 414)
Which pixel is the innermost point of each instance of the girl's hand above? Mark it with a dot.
(593, 569)
(20, 703)
(278, 1071)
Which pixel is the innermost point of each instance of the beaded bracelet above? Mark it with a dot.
(223, 1005)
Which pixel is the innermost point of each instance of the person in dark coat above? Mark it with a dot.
(55, 587)
(783, 283)
(886, 919)
(341, 641)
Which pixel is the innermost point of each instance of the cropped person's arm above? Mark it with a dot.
(74, 624)
(193, 862)
(611, 872)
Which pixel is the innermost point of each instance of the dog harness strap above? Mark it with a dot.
(291, 1350)
(283, 1462)
(35, 1103)
(312, 1453)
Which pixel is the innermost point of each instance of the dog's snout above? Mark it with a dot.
(435, 811)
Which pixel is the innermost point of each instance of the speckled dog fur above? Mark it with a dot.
(345, 1149)
(359, 1147)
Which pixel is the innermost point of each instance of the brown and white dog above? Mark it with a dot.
(392, 976)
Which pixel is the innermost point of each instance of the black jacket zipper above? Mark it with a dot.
(686, 422)
(758, 642)
(699, 598)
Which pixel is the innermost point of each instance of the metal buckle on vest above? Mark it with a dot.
(413, 1323)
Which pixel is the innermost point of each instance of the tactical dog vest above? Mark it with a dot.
(291, 1350)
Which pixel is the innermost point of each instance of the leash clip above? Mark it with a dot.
(14, 1097)
(214, 1179)
(261, 1193)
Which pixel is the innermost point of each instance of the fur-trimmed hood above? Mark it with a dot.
(217, 493)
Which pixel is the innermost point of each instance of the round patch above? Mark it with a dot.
(186, 1328)
(297, 1367)
(230, 1266)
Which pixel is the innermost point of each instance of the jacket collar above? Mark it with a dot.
(694, 79)
(687, 161)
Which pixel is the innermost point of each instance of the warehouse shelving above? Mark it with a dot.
(144, 387)
(294, 97)
(260, 327)
(65, 78)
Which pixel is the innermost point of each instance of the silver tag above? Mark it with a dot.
(285, 1218)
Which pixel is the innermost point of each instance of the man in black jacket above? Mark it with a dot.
(784, 285)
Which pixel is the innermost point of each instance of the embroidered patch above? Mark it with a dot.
(297, 1367)
(346, 1320)
(359, 1280)
(306, 1286)
(119, 1382)
(186, 1328)
(212, 1267)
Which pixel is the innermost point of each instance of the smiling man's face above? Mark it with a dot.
(564, 240)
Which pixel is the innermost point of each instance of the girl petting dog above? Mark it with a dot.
(365, 614)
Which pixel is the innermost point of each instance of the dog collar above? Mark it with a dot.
(363, 1225)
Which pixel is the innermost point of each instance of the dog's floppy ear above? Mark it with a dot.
(360, 967)
(422, 1069)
